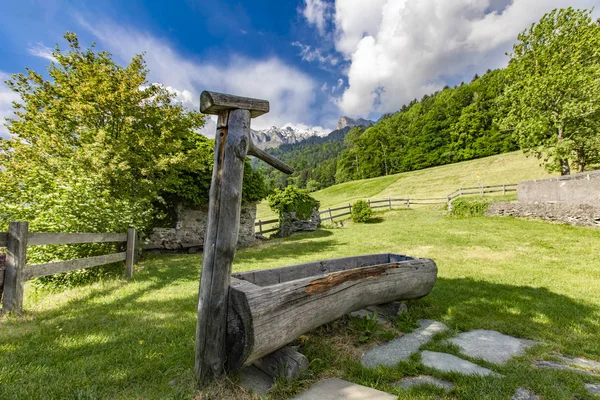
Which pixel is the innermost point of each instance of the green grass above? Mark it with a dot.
(123, 339)
(431, 182)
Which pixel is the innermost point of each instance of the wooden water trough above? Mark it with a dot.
(270, 308)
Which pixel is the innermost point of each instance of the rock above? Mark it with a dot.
(289, 223)
(367, 314)
(491, 346)
(392, 309)
(524, 394)
(255, 380)
(560, 366)
(582, 363)
(573, 214)
(338, 389)
(593, 388)
(424, 380)
(402, 348)
(449, 363)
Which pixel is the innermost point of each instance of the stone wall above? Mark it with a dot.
(190, 228)
(290, 223)
(571, 189)
(574, 214)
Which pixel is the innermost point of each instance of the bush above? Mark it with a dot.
(462, 208)
(361, 211)
(293, 199)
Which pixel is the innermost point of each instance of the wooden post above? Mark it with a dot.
(504, 190)
(130, 253)
(369, 203)
(232, 144)
(260, 227)
(449, 201)
(408, 202)
(16, 257)
(330, 217)
(460, 192)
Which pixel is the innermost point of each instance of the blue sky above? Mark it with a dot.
(314, 60)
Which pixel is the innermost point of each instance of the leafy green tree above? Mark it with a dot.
(293, 200)
(361, 211)
(552, 103)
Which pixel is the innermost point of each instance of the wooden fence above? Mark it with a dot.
(389, 203)
(16, 271)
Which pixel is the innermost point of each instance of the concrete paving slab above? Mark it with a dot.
(424, 380)
(491, 346)
(402, 348)
(524, 394)
(339, 389)
(255, 380)
(593, 388)
(449, 363)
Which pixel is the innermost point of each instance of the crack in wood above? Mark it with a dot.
(324, 284)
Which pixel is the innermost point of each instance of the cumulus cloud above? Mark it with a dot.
(40, 50)
(317, 12)
(402, 49)
(291, 93)
(7, 96)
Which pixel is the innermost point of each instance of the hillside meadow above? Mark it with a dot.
(123, 339)
(431, 182)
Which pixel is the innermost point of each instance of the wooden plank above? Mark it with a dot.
(270, 230)
(341, 215)
(43, 238)
(130, 253)
(16, 258)
(37, 270)
(231, 146)
(378, 201)
(268, 318)
(339, 208)
(269, 159)
(270, 221)
(215, 103)
(3, 239)
(383, 206)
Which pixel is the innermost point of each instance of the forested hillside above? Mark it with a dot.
(455, 124)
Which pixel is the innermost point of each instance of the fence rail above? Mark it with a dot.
(16, 271)
(407, 202)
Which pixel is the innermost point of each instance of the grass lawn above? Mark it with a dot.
(431, 182)
(124, 339)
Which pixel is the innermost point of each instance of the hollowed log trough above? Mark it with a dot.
(268, 309)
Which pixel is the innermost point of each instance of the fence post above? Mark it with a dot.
(130, 253)
(390, 202)
(460, 192)
(449, 202)
(16, 257)
(481, 190)
(369, 203)
(330, 217)
(260, 227)
(408, 202)
(504, 190)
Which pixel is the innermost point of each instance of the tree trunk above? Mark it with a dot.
(564, 163)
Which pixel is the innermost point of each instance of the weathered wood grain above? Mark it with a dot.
(16, 257)
(215, 103)
(269, 159)
(37, 270)
(130, 252)
(231, 146)
(43, 238)
(271, 316)
(285, 363)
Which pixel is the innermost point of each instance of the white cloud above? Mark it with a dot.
(338, 86)
(317, 12)
(40, 50)
(319, 130)
(309, 54)
(403, 49)
(291, 93)
(7, 96)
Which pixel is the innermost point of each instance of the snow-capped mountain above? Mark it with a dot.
(345, 122)
(275, 137)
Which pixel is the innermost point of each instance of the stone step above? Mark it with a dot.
(449, 363)
(339, 389)
(491, 346)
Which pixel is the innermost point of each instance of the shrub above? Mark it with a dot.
(293, 199)
(463, 208)
(361, 211)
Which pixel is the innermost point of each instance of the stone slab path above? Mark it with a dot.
(524, 394)
(338, 389)
(491, 346)
(557, 365)
(449, 363)
(424, 380)
(402, 348)
(593, 388)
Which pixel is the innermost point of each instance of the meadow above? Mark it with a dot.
(123, 339)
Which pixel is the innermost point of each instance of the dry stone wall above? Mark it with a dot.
(190, 228)
(571, 189)
(574, 214)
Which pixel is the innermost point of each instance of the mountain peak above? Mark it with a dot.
(345, 122)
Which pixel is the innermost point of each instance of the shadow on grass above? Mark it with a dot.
(375, 220)
(319, 233)
(137, 340)
(521, 311)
